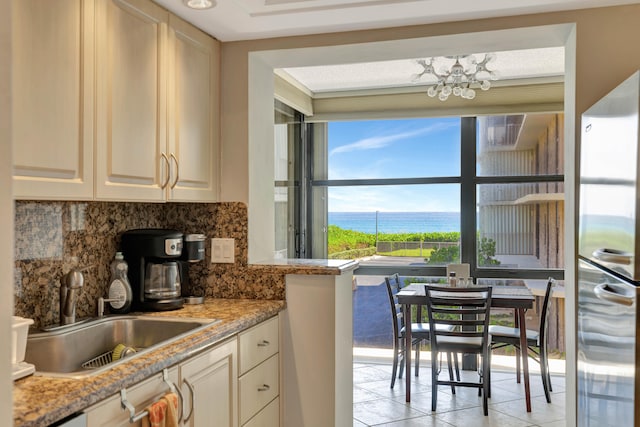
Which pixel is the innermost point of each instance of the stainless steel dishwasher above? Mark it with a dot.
(609, 270)
(607, 339)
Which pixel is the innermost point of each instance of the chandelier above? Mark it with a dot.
(457, 79)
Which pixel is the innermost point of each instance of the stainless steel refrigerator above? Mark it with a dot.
(608, 271)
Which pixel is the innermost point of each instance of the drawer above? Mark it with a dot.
(268, 417)
(258, 387)
(258, 344)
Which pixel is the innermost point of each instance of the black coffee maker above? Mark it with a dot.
(192, 252)
(155, 268)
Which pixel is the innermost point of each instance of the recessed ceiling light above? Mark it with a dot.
(199, 4)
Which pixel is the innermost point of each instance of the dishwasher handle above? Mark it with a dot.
(606, 292)
(613, 255)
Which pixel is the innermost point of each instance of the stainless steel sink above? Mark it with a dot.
(63, 351)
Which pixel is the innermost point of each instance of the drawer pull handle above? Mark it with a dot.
(173, 157)
(265, 387)
(263, 343)
(167, 169)
(192, 402)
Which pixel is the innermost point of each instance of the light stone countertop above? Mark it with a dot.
(40, 401)
(307, 266)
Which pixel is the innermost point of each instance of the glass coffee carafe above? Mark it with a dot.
(162, 280)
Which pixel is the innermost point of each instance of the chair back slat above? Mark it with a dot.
(544, 314)
(466, 309)
(459, 323)
(396, 312)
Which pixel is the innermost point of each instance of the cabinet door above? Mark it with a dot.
(131, 100)
(208, 384)
(194, 63)
(53, 78)
(109, 412)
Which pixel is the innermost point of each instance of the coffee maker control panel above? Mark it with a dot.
(173, 247)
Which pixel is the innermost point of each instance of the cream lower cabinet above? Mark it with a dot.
(259, 375)
(207, 384)
(236, 383)
(109, 412)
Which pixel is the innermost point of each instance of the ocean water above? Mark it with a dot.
(396, 222)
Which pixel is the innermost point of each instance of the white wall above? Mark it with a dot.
(261, 207)
(570, 231)
(260, 105)
(6, 217)
(261, 66)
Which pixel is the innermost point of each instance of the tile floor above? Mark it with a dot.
(376, 404)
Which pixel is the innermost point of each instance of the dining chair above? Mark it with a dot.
(459, 319)
(420, 332)
(537, 341)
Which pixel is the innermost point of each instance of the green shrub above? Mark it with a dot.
(353, 253)
(340, 240)
(451, 254)
(446, 255)
(436, 236)
(486, 252)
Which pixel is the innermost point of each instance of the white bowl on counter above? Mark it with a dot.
(19, 332)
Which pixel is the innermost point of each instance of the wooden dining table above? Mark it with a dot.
(518, 297)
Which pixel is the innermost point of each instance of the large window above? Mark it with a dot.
(411, 196)
(520, 191)
(288, 141)
(412, 148)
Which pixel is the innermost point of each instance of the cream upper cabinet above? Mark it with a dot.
(131, 120)
(53, 76)
(113, 100)
(193, 140)
(157, 121)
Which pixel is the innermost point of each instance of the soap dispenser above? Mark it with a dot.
(120, 293)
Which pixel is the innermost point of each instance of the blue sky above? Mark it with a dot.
(395, 149)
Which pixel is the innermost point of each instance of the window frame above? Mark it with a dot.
(468, 181)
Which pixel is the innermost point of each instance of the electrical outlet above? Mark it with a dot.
(222, 250)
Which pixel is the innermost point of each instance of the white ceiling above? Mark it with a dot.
(511, 66)
(254, 19)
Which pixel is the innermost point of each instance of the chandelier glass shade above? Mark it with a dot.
(462, 78)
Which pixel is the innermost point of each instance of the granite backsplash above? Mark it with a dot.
(53, 237)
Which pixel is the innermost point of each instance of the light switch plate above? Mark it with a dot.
(222, 250)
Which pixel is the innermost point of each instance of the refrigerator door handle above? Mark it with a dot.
(608, 293)
(613, 255)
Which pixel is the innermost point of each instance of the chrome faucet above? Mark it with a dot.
(70, 286)
(102, 300)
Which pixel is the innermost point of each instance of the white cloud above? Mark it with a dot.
(383, 141)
